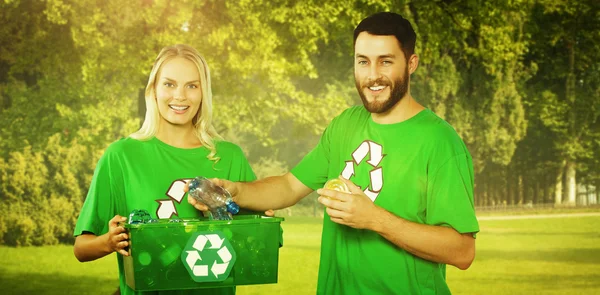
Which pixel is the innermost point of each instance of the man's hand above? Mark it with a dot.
(231, 187)
(117, 238)
(355, 209)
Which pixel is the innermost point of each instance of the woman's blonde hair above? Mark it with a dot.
(202, 120)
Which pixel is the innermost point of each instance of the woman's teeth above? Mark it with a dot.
(179, 108)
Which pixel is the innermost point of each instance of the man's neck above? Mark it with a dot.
(405, 109)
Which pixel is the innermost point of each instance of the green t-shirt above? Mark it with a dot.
(149, 175)
(419, 170)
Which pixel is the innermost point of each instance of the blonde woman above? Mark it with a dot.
(176, 142)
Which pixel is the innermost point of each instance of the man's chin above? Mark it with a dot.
(375, 107)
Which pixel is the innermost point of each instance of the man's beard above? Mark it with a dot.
(397, 91)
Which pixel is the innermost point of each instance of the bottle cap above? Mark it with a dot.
(194, 184)
(233, 208)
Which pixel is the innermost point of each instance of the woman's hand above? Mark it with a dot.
(117, 238)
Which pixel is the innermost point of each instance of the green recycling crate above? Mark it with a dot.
(192, 254)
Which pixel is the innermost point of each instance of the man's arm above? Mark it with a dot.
(434, 243)
(275, 192)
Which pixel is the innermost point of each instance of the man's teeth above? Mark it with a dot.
(179, 108)
(376, 88)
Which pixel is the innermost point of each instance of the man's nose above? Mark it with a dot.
(374, 72)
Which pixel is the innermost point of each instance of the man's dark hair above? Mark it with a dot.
(389, 23)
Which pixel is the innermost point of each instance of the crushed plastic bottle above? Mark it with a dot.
(140, 216)
(167, 251)
(219, 201)
(337, 184)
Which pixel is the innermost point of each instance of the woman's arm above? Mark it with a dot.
(89, 247)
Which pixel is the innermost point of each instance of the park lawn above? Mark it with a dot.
(533, 256)
(538, 211)
(524, 256)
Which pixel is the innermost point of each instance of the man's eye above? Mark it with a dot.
(386, 62)
(362, 62)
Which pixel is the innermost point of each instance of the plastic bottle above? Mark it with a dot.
(219, 201)
(165, 250)
(336, 184)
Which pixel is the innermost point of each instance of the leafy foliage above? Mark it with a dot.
(519, 80)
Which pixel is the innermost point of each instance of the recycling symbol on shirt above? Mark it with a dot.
(208, 257)
(374, 150)
(166, 207)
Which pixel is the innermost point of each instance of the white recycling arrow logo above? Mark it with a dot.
(375, 152)
(210, 257)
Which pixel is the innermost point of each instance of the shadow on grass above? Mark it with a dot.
(581, 256)
(28, 283)
(564, 282)
(512, 232)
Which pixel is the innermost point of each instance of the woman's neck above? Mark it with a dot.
(178, 136)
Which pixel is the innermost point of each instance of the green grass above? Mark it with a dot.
(536, 256)
(533, 256)
(537, 211)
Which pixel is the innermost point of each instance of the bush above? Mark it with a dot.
(20, 231)
(41, 192)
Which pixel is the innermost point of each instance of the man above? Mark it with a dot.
(410, 211)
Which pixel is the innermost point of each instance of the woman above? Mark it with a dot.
(147, 170)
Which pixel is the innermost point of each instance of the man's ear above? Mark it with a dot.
(413, 63)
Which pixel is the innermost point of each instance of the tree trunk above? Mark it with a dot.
(525, 181)
(536, 192)
(484, 192)
(476, 193)
(598, 191)
(571, 184)
(558, 187)
(545, 189)
(492, 192)
(520, 189)
(509, 185)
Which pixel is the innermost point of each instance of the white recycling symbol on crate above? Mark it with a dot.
(208, 257)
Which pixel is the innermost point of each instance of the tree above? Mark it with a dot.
(566, 52)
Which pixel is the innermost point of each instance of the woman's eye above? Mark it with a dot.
(193, 86)
(169, 84)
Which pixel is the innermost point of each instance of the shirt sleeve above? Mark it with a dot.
(450, 195)
(313, 169)
(240, 169)
(100, 206)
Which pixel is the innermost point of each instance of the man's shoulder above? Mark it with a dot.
(352, 114)
(355, 111)
(437, 125)
(441, 135)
